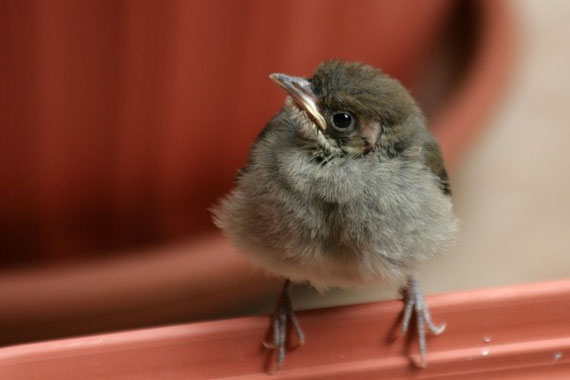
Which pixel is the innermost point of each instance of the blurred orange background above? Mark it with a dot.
(123, 121)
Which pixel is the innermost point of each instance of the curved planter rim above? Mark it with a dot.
(509, 332)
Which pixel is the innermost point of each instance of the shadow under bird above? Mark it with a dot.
(344, 187)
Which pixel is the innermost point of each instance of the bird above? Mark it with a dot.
(345, 187)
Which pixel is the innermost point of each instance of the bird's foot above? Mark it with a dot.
(415, 303)
(280, 322)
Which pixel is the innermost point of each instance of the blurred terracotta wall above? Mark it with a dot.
(123, 121)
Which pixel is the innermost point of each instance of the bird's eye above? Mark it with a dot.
(342, 120)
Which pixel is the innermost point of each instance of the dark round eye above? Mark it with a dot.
(342, 120)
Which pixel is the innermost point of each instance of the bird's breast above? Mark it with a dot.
(341, 226)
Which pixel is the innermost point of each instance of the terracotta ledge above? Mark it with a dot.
(509, 332)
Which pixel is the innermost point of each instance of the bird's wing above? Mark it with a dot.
(434, 160)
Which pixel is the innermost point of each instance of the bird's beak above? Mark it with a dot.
(300, 90)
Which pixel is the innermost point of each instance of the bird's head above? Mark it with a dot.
(349, 108)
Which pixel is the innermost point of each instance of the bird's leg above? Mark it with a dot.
(282, 315)
(415, 302)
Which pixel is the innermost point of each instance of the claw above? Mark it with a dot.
(283, 314)
(415, 304)
(297, 326)
(269, 346)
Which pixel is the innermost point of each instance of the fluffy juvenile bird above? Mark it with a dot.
(345, 187)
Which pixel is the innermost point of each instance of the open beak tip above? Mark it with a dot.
(299, 89)
(275, 77)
